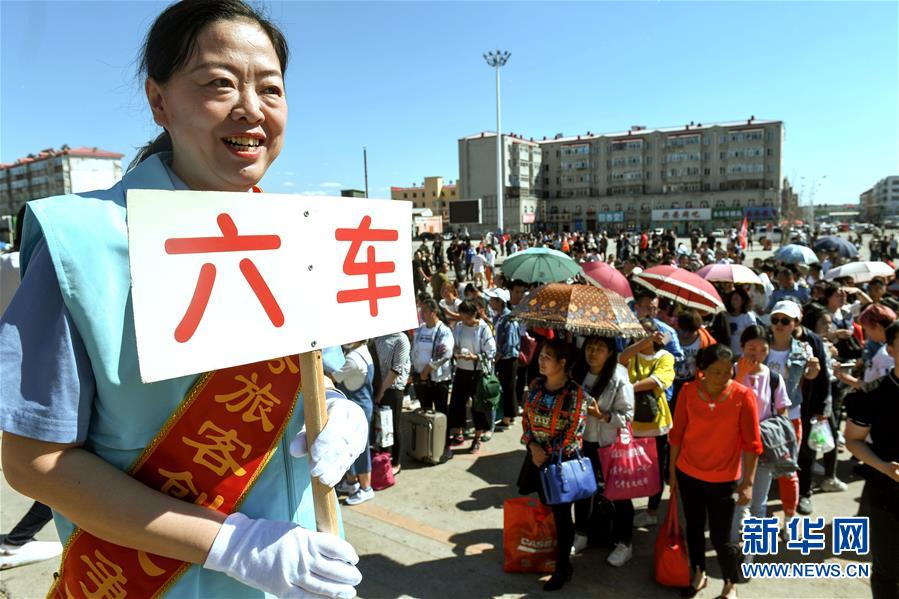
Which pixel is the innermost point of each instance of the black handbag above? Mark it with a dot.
(646, 403)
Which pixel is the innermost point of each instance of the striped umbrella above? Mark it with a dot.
(733, 273)
(681, 286)
(540, 265)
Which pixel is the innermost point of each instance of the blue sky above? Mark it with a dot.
(407, 80)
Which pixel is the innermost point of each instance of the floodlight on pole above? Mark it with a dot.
(496, 60)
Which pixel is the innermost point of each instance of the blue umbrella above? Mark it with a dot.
(795, 254)
(540, 265)
(836, 244)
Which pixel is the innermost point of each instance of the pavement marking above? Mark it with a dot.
(405, 522)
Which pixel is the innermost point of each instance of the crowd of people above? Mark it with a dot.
(799, 346)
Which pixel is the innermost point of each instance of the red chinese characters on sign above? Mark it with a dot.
(370, 268)
(230, 241)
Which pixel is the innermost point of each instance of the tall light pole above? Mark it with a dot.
(496, 60)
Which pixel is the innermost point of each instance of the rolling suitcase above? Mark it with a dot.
(428, 436)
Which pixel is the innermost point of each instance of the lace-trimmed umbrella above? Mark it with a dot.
(580, 309)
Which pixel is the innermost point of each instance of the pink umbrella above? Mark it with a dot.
(733, 273)
(681, 286)
(605, 276)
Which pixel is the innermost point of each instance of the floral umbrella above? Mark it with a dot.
(581, 309)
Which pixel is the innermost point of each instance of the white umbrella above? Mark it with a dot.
(861, 272)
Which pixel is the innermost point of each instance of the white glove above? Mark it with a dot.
(284, 559)
(344, 437)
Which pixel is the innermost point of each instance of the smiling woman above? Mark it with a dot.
(148, 478)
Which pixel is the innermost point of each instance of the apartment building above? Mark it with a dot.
(431, 194)
(882, 200)
(55, 172)
(522, 161)
(695, 175)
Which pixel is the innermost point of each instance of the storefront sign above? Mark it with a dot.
(680, 214)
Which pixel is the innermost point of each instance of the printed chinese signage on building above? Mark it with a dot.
(681, 214)
(221, 279)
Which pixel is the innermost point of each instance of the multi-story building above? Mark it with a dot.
(866, 206)
(55, 172)
(521, 164)
(431, 194)
(697, 175)
(884, 199)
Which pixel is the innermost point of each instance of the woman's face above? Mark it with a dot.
(822, 327)
(782, 325)
(736, 303)
(225, 108)
(719, 373)
(596, 353)
(837, 300)
(756, 349)
(548, 364)
(447, 292)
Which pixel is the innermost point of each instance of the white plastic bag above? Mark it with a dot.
(383, 424)
(820, 437)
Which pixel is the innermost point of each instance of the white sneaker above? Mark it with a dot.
(621, 555)
(645, 520)
(832, 485)
(12, 556)
(580, 543)
(345, 488)
(360, 496)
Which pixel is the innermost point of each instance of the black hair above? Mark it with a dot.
(20, 224)
(608, 369)
(469, 288)
(644, 293)
(468, 307)
(172, 40)
(811, 314)
(829, 290)
(891, 332)
(430, 304)
(755, 331)
(689, 319)
(743, 295)
(517, 283)
(561, 350)
(719, 328)
(711, 354)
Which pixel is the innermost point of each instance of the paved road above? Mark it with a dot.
(438, 534)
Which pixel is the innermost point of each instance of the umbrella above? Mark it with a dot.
(540, 265)
(604, 276)
(836, 244)
(795, 254)
(682, 286)
(581, 309)
(861, 272)
(734, 273)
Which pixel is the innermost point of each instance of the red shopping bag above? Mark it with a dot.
(529, 536)
(630, 469)
(672, 563)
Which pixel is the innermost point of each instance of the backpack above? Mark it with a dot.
(780, 446)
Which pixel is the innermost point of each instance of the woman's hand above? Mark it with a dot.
(812, 368)
(745, 367)
(744, 493)
(593, 409)
(891, 469)
(538, 455)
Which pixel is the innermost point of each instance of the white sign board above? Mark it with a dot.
(222, 279)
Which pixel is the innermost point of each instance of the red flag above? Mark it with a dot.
(743, 232)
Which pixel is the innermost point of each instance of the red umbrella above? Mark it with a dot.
(682, 286)
(605, 276)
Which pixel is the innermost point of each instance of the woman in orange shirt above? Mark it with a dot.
(716, 430)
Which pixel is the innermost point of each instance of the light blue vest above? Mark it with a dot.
(87, 238)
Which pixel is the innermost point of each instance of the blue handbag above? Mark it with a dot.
(566, 481)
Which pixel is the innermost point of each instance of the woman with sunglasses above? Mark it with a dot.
(795, 361)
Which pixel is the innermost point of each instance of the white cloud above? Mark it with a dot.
(331, 185)
(288, 184)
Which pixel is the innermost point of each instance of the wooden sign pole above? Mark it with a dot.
(316, 416)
